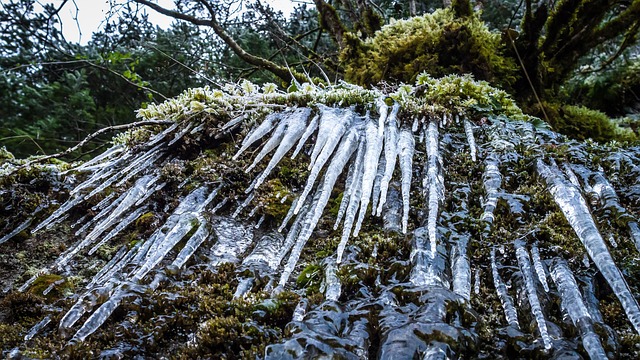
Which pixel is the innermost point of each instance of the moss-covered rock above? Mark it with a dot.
(438, 43)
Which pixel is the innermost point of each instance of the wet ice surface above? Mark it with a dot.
(402, 170)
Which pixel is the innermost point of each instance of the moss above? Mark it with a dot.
(271, 194)
(438, 43)
(59, 285)
(23, 308)
(146, 220)
(310, 278)
(582, 123)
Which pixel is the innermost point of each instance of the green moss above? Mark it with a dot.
(583, 123)
(271, 194)
(310, 278)
(438, 43)
(146, 220)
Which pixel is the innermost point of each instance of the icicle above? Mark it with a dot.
(406, 145)
(178, 225)
(219, 205)
(634, 231)
(337, 126)
(354, 201)
(119, 227)
(572, 302)
(244, 286)
(295, 127)
(476, 285)
(289, 215)
(332, 282)
(492, 180)
(537, 265)
(104, 202)
(272, 143)
(254, 211)
(62, 210)
(82, 219)
(192, 244)
(300, 310)
(340, 159)
(371, 163)
(591, 302)
(178, 135)
(124, 203)
(460, 269)
(349, 185)
(507, 303)
(98, 160)
(260, 221)
(392, 209)
(120, 254)
(141, 164)
(243, 205)
(525, 268)
(383, 110)
(37, 327)
(333, 124)
(390, 155)
(232, 123)
(576, 211)
(99, 316)
(263, 129)
(376, 185)
(293, 233)
(313, 125)
(20, 228)
(433, 182)
(468, 130)
(571, 175)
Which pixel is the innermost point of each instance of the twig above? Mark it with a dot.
(89, 138)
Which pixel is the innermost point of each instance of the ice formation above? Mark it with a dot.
(532, 294)
(370, 153)
(575, 209)
(573, 303)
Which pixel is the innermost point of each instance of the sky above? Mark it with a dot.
(91, 15)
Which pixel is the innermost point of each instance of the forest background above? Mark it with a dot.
(573, 63)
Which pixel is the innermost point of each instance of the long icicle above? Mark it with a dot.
(354, 201)
(337, 128)
(433, 182)
(525, 269)
(406, 145)
(510, 312)
(390, 155)
(343, 153)
(374, 136)
(576, 211)
(573, 303)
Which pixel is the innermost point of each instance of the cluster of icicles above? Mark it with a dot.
(368, 148)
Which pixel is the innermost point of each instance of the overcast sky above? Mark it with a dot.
(91, 14)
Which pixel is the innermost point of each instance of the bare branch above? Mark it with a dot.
(89, 138)
(280, 71)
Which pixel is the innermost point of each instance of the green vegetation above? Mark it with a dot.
(439, 44)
